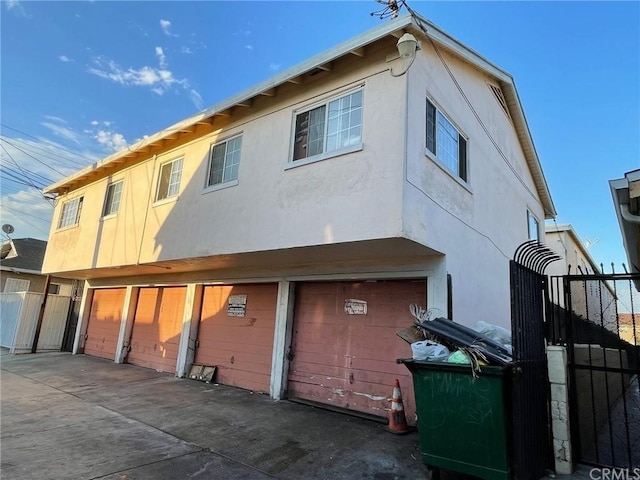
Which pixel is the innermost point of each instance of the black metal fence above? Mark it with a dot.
(532, 442)
(597, 317)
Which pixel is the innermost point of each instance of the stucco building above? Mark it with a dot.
(282, 234)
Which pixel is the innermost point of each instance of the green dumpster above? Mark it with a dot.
(463, 422)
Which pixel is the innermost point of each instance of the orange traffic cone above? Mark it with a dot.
(397, 419)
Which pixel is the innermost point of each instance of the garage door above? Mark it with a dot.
(345, 345)
(104, 322)
(236, 334)
(157, 327)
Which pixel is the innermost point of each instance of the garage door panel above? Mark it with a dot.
(240, 346)
(157, 326)
(103, 327)
(350, 360)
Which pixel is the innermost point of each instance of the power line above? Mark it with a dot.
(46, 152)
(24, 174)
(43, 141)
(27, 214)
(29, 155)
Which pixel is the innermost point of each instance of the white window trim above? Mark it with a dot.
(229, 183)
(171, 198)
(439, 162)
(447, 170)
(325, 155)
(220, 186)
(77, 220)
(115, 214)
(531, 215)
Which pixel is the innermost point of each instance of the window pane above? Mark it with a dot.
(431, 127)
(176, 175)
(169, 180)
(316, 131)
(70, 213)
(163, 181)
(112, 200)
(217, 164)
(447, 141)
(302, 136)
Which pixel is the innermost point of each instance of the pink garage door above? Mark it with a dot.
(236, 334)
(104, 322)
(345, 345)
(157, 327)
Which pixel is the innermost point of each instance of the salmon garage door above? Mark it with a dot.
(157, 327)
(236, 334)
(104, 322)
(344, 344)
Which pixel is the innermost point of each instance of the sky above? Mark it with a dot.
(82, 80)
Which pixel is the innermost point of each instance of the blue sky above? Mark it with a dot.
(80, 80)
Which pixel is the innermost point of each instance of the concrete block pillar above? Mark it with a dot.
(557, 366)
(282, 339)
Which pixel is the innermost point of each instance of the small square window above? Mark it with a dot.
(112, 199)
(169, 179)
(446, 142)
(70, 212)
(224, 162)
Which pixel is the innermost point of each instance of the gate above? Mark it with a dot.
(597, 317)
(72, 317)
(532, 442)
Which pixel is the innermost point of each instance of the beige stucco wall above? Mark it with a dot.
(390, 189)
(36, 282)
(341, 199)
(480, 223)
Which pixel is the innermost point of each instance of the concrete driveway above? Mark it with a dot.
(69, 416)
(77, 417)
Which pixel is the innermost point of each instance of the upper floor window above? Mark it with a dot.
(70, 212)
(112, 198)
(533, 227)
(334, 126)
(169, 179)
(446, 142)
(224, 162)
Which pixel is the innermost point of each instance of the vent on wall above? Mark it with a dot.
(497, 92)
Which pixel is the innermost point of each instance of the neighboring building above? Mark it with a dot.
(591, 299)
(282, 235)
(21, 268)
(626, 201)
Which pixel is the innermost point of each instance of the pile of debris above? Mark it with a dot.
(442, 340)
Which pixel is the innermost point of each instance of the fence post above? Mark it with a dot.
(36, 335)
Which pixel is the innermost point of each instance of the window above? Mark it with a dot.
(54, 289)
(16, 285)
(445, 142)
(332, 127)
(224, 162)
(169, 179)
(533, 227)
(70, 212)
(112, 199)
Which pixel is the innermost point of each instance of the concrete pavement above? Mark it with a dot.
(69, 416)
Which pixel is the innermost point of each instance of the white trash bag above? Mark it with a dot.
(429, 350)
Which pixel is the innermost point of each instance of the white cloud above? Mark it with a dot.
(63, 132)
(165, 25)
(16, 7)
(55, 119)
(196, 98)
(162, 60)
(249, 47)
(111, 140)
(158, 79)
(64, 58)
(274, 67)
(95, 122)
(187, 51)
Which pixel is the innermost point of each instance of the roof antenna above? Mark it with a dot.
(391, 9)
